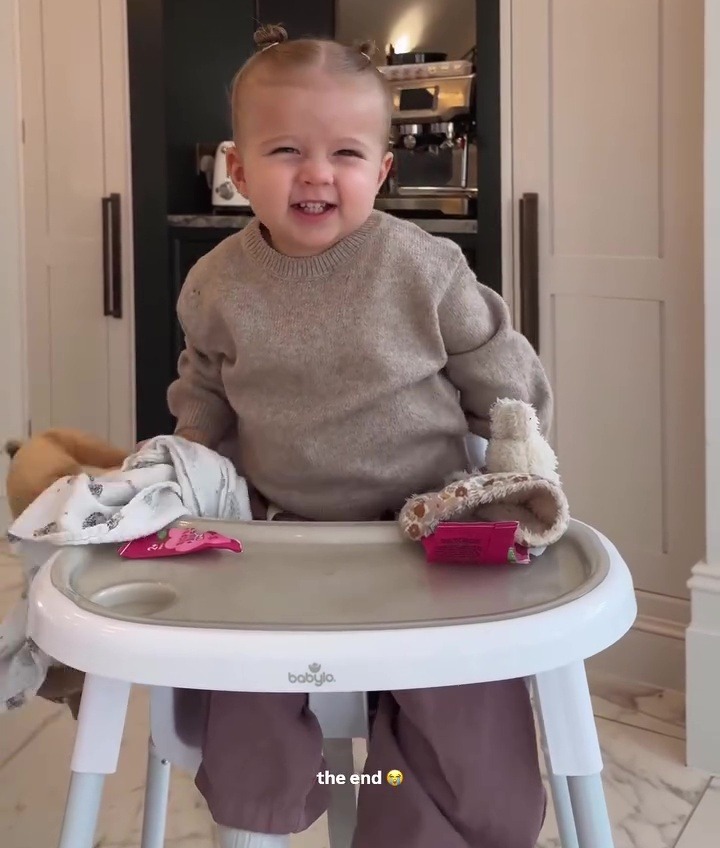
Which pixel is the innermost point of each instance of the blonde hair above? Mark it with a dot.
(277, 54)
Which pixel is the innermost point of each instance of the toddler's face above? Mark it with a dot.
(311, 157)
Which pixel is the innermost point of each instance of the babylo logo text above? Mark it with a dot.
(312, 675)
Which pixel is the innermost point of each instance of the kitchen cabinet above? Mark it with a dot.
(181, 65)
(187, 245)
(78, 232)
(312, 17)
(607, 132)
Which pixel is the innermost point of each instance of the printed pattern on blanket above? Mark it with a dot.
(168, 479)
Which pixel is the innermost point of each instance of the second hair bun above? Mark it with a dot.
(270, 34)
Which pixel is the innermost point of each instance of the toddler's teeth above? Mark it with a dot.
(313, 208)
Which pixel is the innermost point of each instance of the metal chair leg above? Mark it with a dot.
(97, 747)
(590, 811)
(574, 757)
(82, 810)
(342, 812)
(157, 790)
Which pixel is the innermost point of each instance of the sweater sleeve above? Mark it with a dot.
(486, 358)
(197, 397)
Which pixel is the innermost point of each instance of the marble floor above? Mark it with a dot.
(655, 801)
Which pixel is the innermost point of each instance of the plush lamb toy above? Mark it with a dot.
(516, 443)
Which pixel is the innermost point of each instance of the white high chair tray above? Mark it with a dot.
(321, 576)
(355, 604)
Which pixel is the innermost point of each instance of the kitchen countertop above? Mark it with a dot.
(237, 222)
(220, 222)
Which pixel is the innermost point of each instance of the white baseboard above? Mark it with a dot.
(653, 652)
(644, 657)
(703, 662)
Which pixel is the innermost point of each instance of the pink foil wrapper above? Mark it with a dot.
(475, 543)
(178, 541)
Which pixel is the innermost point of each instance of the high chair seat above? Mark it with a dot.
(359, 610)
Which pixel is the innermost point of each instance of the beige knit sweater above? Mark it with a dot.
(351, 378)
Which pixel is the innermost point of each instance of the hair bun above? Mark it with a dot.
(268, 35)
(367, 47)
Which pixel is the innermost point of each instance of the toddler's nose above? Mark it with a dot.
(317, 172)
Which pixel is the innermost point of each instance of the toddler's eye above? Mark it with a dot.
(285, 150)
(348, 152)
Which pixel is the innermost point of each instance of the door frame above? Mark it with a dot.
(702, 642)
(508, 221)
(13, 409)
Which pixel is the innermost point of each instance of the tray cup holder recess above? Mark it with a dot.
(139, 598)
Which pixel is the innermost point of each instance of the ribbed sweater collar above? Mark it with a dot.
(305, 267)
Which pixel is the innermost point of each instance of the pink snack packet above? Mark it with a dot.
(177, 541)
(475, 543)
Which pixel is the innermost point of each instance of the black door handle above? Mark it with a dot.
(112, 266)
(529, 270)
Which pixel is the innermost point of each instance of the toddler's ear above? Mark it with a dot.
(385, 168)
(235, 169)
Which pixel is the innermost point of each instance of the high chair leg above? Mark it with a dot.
(563, 810)
(559, 791)
(157, 789)
(570, 733)
(342, 812)
(97, 747)
(591, 819)
(81, 810)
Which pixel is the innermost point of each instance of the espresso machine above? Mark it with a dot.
(433, 138)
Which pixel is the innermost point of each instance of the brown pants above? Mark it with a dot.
(468, 755)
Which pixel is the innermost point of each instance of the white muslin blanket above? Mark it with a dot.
(167, 479)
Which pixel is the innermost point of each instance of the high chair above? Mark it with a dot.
(208, 622)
